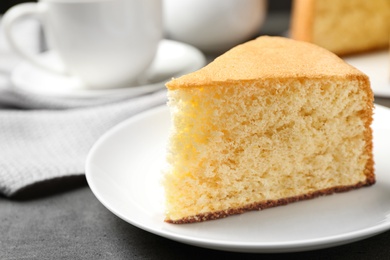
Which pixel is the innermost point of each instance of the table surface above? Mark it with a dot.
(64, 220)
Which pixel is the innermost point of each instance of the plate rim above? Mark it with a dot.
(19, 84)
(355, 61)
(234, 246)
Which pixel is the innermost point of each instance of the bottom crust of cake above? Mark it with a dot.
(269, 203)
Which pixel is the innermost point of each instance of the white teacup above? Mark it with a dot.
(104, 43)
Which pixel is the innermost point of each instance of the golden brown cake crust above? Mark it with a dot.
(269, 204)
(269, 58)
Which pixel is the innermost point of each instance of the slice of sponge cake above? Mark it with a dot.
(270, 122)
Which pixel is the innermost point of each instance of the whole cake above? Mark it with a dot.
(271, 121)
(342, 26)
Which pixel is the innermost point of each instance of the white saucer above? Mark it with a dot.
(377, 66)
(173, 59)
(123, 170)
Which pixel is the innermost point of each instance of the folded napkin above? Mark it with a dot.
(38, 145)
(45, 138)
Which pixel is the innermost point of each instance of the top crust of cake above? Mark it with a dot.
(269, 58)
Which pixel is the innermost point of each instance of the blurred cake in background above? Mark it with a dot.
(343, 27)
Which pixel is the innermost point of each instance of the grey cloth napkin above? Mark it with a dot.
(42, 138)
(42, 144)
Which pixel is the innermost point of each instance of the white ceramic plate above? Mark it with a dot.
(173, 59)
(123, 171)
(377, 66)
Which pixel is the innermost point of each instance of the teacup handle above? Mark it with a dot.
(21, 12)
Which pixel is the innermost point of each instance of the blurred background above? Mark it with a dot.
(274, 5)
(276, 22)
(6, 4)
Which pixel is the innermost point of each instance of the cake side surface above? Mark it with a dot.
(260, 144)
(266, 204)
